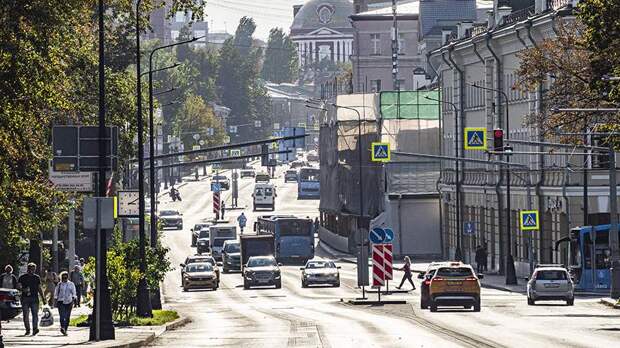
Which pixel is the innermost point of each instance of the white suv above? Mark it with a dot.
(549, 283)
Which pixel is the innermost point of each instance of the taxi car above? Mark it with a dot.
(453, 285)
(426, 277)
(199, 275)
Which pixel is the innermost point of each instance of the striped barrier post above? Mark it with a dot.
(378, 270)
(216, 204)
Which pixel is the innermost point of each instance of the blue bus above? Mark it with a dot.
(308, 184)
(293, 236)
(583, 243)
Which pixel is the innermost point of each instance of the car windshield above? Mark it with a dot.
(309, 174)
(454, 272)
(261, 262)
(218, 242)
(320, 264)
(168, 213)
(551, 275)
(204, 234)
(198, 227)
(232, 248)
(199, 267)
(291, 172)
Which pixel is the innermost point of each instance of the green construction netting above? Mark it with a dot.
(412, 105)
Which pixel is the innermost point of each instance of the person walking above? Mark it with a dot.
(407, 276)
(485, 258)
(65, 296)
(223, 209)
(8, 280)
(30, 285)
(479, 259)
(77, 278)
(242, 220)
(50, 279)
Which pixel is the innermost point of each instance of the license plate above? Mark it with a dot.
(263, 281)
(552, 285)
(455, 283)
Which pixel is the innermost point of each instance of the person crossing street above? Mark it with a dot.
(407, 276)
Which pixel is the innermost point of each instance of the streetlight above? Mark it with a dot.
(458, 254)
(511, 273)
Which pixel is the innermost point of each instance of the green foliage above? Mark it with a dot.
(196, 115)
(79, 320)
(160, 317)
(280, 58)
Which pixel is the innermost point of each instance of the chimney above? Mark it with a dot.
(501, 13)
(490, 19)
(462, 29)
(445, 36)
(296, 9)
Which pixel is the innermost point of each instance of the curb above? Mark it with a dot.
(609, 302)
(151, 337)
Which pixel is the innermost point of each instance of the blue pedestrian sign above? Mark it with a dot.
(529, 220)
(389, 235)
(475, 138)
(216, 187)
(376, 235)
(469, 228)
(380, 152)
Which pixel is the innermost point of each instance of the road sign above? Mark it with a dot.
(389, 235)
(475, 138)
(226, 139)
(469, 228)
(376, 235)
(196, 136)
(378, 270)
(102, 206)
(76, 148)
(387, 261)
(235, 153)
(201, 142)
(72, 181)
(128, 203)
(216, 187)
(529, 220)
(196, 147)
(380, 152)
(210, 131)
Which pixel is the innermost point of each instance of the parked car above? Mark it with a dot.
(290, 175)
(320, 272)
(426, 281)
(171, 218)
(247, 173)
(10, 305)
(201, 259)
(453, 285)
(222, 180)
(550, 283)
(196, 231)
(199, 275)
(231, 256)
(262, 271)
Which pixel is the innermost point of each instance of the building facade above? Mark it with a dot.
(167, 30)
(487, 56)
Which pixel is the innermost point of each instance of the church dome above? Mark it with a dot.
(316, 14)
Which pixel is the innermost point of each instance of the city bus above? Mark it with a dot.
(293, 236)
(588, 275)
(308, 184)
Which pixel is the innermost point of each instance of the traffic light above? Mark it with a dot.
(264, 157)
(498, 139)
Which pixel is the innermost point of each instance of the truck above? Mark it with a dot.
(255, 245)
(217, 235)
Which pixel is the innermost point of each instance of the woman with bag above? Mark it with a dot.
(64, 297)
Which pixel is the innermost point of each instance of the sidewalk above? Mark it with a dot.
(13, 333)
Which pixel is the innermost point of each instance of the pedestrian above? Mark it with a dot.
(407, 276)
(30, 285)
(50, 279)
(485, 257)
(223, 209)
(65, 296)
(77, 278)
(316, 225)
(479, 259)
(8, 280)
(242, 221)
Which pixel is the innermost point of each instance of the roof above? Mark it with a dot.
(434, 11)
(316, 14)
(287, 91)
(403, 8)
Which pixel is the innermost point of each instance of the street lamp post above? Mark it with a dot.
(511, 273)
(458, 253)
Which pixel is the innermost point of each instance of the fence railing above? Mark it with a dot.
(518, 16)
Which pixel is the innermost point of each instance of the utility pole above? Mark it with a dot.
(395, 47)
(614, 243)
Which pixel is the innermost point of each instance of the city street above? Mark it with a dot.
(318, 317)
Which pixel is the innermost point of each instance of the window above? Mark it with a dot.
(179, 17)
(375, 86)
(401, 43)
(375, 39)
(174, 34)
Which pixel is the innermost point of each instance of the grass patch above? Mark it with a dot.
(78, 320)
(160, 317)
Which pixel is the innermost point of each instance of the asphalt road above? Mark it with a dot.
(318, 316)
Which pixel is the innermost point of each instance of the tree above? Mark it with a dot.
(280, 62)
(195, 116)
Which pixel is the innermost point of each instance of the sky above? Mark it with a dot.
(225, 14)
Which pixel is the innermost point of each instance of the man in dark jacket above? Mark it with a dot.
(479, 259)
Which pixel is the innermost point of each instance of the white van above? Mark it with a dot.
(264, 196)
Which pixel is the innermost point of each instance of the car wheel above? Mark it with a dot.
(530, 302)
(570, 302)
(184, 289)
(180, 227)
(225, 270)
(245, 284)
(278, 285)
(433, 306)
(477, 306)
(303, 284)
(467, 307)
(337, 285)
(253, 208)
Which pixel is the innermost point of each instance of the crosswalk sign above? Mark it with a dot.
(475, 138)
(380, 152)
(529, 220)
